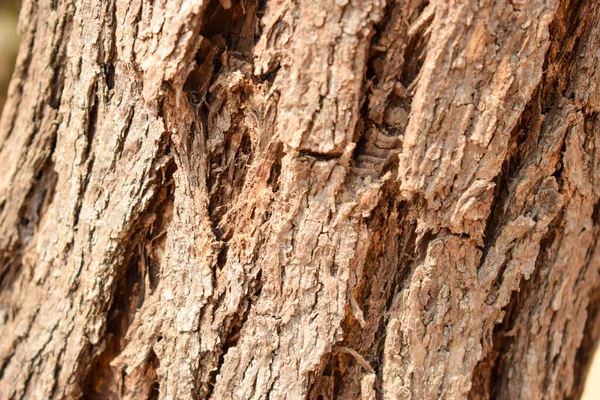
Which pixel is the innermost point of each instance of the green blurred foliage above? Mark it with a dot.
(9, 44)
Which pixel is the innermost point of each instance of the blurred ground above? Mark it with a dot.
(9, 42)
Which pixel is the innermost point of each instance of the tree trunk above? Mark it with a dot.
(332, 199)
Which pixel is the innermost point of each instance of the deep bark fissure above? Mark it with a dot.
(134, 283)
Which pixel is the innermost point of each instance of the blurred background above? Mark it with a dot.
(592, 386)
(9, 44)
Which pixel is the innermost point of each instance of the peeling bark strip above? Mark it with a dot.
(301, 199)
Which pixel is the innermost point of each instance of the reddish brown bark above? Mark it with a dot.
(300, 199)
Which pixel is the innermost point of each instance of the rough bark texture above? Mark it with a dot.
(292, 199)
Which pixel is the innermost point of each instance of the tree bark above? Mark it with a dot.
(332, 199)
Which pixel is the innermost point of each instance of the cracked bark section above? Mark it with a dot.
(299, 199)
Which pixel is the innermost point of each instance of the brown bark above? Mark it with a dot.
(301, 199)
